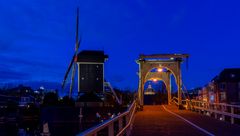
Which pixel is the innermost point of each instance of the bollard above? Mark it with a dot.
(232, 118)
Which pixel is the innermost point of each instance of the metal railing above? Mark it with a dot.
(175, 100)
(123, 128)
(219, 110)
(114, 93)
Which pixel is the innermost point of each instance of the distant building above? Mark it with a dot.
(227, 86)
(91, 71)
(207, 94)
(149, 91)
(25, 100)
(21, 95)
(193, 93)
(224, 88)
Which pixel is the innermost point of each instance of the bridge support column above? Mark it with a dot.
(179, 84)
(140, 86)
(168, 86)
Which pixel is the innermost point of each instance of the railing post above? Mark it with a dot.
(215, 109)
(200, 106)
(232, 112)
(188, 105)
(194, 105)
(210, 106)
(111, 129)
(223, 110)
(128, 131)
(120, 124)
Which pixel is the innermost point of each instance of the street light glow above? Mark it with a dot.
(160, 69)
(154, 80)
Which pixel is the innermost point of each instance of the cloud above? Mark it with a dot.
(4, 46)
(8, 74)
(34, 69)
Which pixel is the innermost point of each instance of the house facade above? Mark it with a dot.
(224, 88)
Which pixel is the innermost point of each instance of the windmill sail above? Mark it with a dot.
(72, 64)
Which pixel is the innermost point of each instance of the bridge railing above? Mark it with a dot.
(219, 110)
(123, 120)
(175, 100)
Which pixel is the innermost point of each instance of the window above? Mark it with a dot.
(222, 96)
(211, 98)
(222, 86)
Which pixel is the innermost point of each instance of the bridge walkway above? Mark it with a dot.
(165, 120)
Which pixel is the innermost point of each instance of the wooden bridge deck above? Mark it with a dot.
(169, 121)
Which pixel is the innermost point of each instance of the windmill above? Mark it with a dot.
(73, 63)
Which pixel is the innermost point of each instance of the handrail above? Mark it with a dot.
(114, 93)
(217, 109)
(174, 99)
(224, 104)
(109, 123)
(129, 123)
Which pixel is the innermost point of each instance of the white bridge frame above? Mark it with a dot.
(219, 110)
(128, 115)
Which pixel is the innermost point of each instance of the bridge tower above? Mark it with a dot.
(170, 62)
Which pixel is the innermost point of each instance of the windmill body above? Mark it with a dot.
(91, 71)
(89, 65)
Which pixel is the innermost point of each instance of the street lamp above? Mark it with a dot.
(159, 69)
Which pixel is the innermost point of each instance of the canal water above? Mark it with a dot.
(60, 120)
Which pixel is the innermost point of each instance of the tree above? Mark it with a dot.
(66, 101)
(12, 106)
(50, 99)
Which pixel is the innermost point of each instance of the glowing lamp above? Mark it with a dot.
(154, 80)
(160, 70)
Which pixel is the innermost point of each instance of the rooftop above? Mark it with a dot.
(228, 75)
(92, 56)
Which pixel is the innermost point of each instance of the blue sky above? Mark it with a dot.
(37, 37)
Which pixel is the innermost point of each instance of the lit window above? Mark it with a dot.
(222, 96)
(211, 98)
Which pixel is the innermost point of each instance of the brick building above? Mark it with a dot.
(224, 88)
